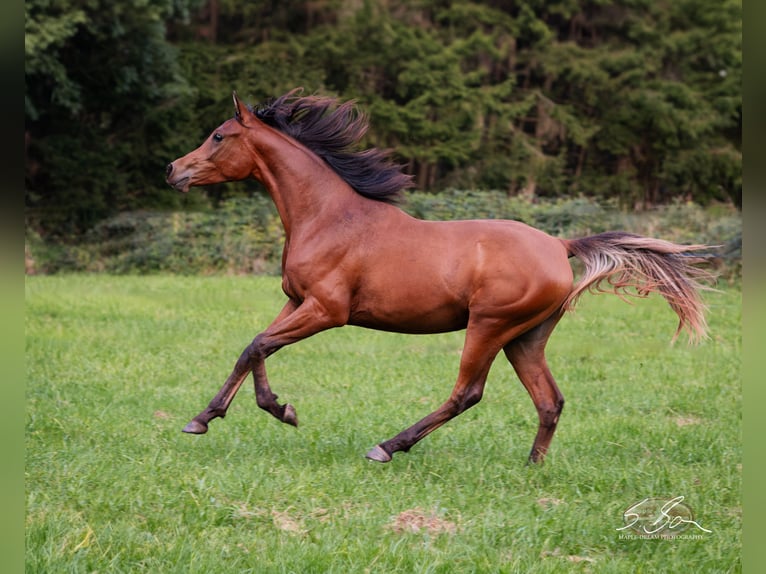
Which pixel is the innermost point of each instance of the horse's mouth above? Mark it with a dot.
(181, 185)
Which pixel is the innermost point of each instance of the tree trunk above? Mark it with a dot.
(215, 10)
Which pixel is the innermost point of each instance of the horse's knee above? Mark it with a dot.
(261, 348)
(467, 399)
(254, 350)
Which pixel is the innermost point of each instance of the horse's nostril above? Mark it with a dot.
(169, 170)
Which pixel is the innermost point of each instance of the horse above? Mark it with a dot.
(352, 256)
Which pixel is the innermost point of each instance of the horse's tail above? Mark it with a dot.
(626, 260)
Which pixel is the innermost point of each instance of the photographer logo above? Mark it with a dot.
(660, 518)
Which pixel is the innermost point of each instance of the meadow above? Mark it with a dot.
(116, 366)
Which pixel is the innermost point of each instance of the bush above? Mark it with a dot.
(242, 236)
(245, 235)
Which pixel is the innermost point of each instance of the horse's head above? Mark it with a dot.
(223, 156)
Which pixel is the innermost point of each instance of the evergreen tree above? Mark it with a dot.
(101, 82)
(632, 100)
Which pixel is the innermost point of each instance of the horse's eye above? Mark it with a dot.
(217, 137)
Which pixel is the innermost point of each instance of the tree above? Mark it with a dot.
(103, 89)
(660, 83)
(629, 99)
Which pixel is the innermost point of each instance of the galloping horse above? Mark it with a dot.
(352, 257)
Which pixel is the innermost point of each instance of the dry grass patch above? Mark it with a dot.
(417, 520)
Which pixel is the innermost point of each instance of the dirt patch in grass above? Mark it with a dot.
(556, 553)
(683, 421)
(283, 521)
(549, 502)
(417, 520)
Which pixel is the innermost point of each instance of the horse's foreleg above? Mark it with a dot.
(266, 399)
(527, 355)
(478, 354)
(220, 403)
(294, 323)
(301, 322)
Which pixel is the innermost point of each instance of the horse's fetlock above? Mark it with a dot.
(265, 400)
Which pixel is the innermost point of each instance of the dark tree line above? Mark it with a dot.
(635, 100)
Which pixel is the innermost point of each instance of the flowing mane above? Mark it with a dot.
(332, 130)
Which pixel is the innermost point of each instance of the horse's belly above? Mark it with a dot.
(407, 319)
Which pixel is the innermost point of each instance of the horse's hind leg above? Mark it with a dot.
(527, 355)
(481, 348)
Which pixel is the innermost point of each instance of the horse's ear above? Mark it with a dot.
(237, 107)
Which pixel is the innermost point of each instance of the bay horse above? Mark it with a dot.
(353, 257)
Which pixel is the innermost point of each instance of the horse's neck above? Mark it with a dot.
(303, 187)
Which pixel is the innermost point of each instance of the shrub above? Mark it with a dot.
(245, 235)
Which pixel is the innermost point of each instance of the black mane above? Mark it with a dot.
(333, 130)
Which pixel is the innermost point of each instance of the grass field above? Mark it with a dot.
(116, 366)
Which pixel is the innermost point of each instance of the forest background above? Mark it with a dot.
(634, 104)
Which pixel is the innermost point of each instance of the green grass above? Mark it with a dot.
(117, 365)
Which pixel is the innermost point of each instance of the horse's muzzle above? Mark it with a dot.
(179, 184)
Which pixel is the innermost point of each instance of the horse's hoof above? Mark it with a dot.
(290, 416)
(195, 427)
(378, 454)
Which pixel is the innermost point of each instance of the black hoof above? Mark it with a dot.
(195, 427)
(378, 454)
(290, 416)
